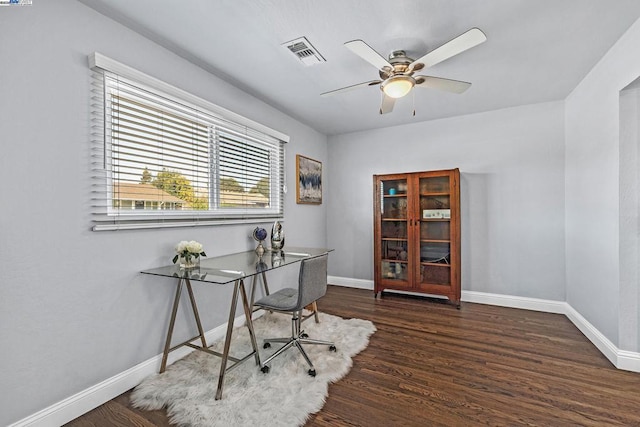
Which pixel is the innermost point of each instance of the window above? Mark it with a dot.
(163, 157)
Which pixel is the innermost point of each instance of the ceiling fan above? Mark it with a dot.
(397, 73)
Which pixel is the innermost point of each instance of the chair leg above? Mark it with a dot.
(304, 354)
(296, 340)
(279, 352)
(280, 340)
(317, 342)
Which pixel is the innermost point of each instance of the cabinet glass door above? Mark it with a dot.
(393, 230)
(435, 230)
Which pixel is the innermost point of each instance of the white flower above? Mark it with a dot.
(188, 250)
(180, 247)
(194, 247)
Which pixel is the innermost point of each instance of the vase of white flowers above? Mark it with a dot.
(188, 254)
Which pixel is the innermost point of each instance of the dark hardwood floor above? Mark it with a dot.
(432, 365)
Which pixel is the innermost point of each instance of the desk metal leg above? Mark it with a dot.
(172, 322)
(264, 283)
(237, 287)
(248, 314)
(227, 340)
(195, 314)
(265, 286)
(253, 291)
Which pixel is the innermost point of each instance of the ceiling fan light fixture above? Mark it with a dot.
(398, 86)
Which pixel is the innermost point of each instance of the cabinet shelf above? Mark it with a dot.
(434, 194)
(436, 264)
(413, 253)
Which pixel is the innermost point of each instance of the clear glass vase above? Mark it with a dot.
(189, 261)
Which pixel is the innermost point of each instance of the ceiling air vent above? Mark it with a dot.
(304, 51)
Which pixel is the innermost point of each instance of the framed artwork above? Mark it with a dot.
(309, 184)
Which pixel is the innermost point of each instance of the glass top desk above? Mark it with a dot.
(224, 270)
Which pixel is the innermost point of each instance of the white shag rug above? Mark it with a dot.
(285, 396)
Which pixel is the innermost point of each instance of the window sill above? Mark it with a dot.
(174, 224)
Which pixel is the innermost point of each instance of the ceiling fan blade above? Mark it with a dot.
(447, 85)
(387, 104)
(367, 53)
(348, 88)
(465, 41)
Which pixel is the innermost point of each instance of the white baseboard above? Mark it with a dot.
(628, 360)
(621, 359)
(88, 399)
(81, 403)
(533, 304)
(602, 343)
(350, 283)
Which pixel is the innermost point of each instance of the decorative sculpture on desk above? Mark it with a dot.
(277, 236)
(259, 234)
(277, 258)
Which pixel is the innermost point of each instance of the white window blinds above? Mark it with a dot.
(162, 157)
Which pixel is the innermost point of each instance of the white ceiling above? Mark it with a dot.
(537, 50)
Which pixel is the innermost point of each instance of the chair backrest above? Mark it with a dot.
(312, 282)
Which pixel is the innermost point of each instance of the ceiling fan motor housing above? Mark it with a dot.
(400, 62)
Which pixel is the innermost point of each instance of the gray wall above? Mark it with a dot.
(594, 183)
(512, 194)
(74, 310)
(629, 219)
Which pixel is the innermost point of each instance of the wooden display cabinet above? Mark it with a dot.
(417, 233)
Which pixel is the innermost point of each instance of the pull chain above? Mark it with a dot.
(413, 98)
